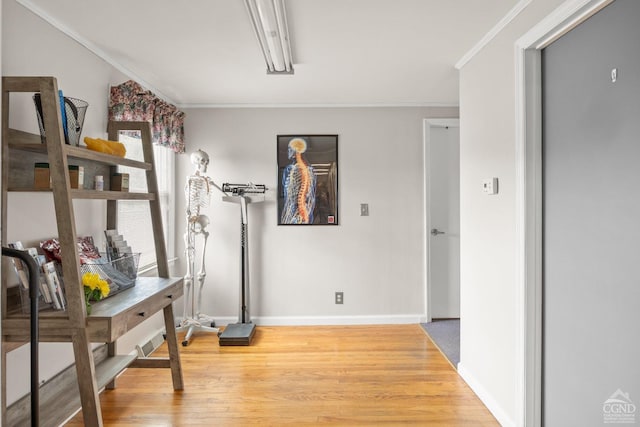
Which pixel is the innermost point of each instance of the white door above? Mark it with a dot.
(442, 176)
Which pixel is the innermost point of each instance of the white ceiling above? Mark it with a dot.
(346, 52)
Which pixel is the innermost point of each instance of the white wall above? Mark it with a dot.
(377, 261)
(32, 47)
(489, 337)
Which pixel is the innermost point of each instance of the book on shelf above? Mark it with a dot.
(55, 288)
(44, 288)
(63, 114)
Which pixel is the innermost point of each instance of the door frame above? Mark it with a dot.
(429, 124)
(528, 147)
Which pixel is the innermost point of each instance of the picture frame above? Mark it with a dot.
(307, 179)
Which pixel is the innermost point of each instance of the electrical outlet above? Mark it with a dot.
(339, 297)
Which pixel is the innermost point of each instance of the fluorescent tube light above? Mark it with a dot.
(269, 21)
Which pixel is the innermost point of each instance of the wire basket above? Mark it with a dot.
(74, 112)
(120, 273)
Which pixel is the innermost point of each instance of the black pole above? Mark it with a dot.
(243, 272)
(34, 282)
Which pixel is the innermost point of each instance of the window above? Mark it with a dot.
(134, 218)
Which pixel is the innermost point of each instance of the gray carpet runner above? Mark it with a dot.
(446, 335)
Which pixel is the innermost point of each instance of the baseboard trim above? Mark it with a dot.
(396, 319)
(485, 397)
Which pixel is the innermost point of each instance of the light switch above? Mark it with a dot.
(364, 209)
(490, 185)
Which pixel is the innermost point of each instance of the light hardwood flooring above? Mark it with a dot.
(301, 376)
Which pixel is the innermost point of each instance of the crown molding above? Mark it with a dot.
(92, 47)
(510, 16)
(324, 105)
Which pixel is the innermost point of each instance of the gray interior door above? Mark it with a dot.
(591, 220)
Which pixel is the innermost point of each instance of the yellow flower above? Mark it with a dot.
(95, 287)
(104, 288)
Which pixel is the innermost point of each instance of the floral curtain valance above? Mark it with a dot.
(131, 102)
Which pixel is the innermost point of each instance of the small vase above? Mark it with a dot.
(88, 308)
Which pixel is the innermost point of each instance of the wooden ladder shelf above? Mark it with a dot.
(111, 317)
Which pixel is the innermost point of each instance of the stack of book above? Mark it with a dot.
(50, 287)
(117, 247)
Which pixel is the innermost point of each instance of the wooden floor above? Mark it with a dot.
(301, 376)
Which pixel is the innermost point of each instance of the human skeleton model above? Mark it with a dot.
(197, 192)
(299, 186)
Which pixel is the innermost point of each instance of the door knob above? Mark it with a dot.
(435, 232)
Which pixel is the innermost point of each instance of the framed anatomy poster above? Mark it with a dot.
(307, 179)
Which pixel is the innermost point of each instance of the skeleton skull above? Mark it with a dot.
(201, 160)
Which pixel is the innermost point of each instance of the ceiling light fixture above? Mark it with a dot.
(270, 25)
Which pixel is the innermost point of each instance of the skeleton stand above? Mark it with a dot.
(242, 332)
(193, 319)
